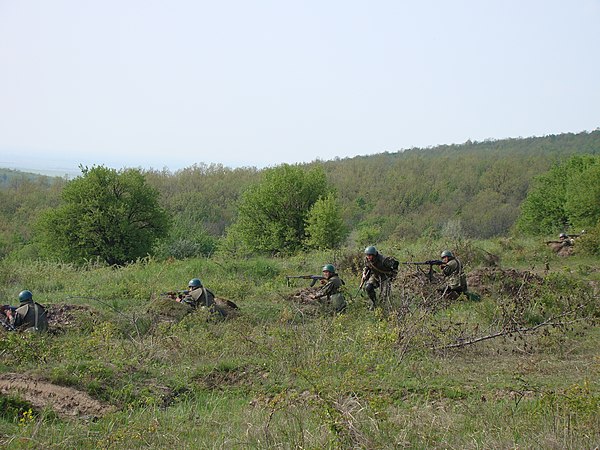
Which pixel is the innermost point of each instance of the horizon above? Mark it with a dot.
(59, 167)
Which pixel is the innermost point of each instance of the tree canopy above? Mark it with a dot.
(106, 214)
(272, 213)
(566, 196)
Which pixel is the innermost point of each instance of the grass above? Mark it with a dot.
(278, 377)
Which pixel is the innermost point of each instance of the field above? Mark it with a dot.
(123, 368)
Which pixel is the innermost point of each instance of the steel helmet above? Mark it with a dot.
(195, 282)
(447, 253)
(563, 235)
(370, 250)
(329, 268)
(25, 296)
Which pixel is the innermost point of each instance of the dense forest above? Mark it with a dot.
(473, 190)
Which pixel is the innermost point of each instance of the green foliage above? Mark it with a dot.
(589, 242)
(109, 215)
(567, 195)
(325, 228)
(474, 189)
(583, 195)
(272, 213)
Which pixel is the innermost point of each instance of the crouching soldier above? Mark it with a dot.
(455, 278)
(331, 289)
(29, 315)
(379, 271)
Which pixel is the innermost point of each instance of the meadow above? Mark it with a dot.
(518, 369)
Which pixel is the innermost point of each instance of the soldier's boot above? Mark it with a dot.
(372, 296)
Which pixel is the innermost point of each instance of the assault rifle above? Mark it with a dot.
(314, 278)
(430, 263)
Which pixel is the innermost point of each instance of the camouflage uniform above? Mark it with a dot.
(30, 316)
(378, 271)
(332, 290)
(456, 280)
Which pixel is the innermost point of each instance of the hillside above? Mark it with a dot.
(473, 190)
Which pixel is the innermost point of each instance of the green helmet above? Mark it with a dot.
(25, 296)
(195, 282)
(329, 268)
(370, 250)
(447, 253)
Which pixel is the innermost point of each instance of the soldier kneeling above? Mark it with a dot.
(29, 315)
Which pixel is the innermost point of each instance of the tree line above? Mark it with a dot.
(475, 190)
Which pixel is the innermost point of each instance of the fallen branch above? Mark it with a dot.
(550, 322)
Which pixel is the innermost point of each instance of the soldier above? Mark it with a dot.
(198, 295)
(29, 315)
(331, 289)
(378, 270)
(456, 280)
(565, 240)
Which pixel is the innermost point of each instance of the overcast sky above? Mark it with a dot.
(143, 83)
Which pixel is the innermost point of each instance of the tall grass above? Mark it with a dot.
(279, 376)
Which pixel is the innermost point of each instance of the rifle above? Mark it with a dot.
(314, 278)
(176, 294)
(360, 286)
(430, 263)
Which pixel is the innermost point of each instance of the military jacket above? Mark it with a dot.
(332, 286)
(456, 278)
(332, 290)
(200, 297)
(31, 316)
(381, 267)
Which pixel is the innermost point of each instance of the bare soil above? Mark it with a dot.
(66, 402)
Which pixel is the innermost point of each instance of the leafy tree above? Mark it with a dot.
(272, 213)
(324, 225)
(110, 215)
(568, 194)
(583, 196)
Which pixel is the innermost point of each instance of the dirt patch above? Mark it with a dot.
(505, 281)
(237, 377)
(62, 316)
(66, 402)
(560, 248)
(303, 304)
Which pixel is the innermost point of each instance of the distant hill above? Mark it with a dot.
(9, 175)
(471, 190)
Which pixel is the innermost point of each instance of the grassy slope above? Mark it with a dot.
(278, 376)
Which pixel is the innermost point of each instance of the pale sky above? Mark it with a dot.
(154, 84)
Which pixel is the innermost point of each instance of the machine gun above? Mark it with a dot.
(430, 263)
(174, 295)
(314, 278)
